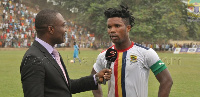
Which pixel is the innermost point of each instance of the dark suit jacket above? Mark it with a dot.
(41, 76)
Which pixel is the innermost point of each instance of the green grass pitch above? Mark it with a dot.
(184, 69)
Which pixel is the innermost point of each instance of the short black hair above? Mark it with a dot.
(123, 13)
(45, 18)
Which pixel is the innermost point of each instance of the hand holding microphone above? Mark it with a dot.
(111, 55)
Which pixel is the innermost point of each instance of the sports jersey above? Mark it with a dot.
(130, 71)
(76, 48)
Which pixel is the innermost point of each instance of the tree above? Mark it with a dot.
(155, 20)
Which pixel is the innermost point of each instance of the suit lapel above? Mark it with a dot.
(52, 60)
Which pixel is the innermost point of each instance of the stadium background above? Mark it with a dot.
(15, 41)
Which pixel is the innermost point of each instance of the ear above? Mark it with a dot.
(51, 29)
(128, 28)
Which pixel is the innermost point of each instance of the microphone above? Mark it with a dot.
(111, 56)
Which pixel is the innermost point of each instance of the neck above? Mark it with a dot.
(47, 40)
(122, 46)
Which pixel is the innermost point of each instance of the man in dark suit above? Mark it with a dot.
(43, 73)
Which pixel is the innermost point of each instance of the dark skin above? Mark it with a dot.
(119, 34)
(166, 82)
(55, 34)
(97, 93)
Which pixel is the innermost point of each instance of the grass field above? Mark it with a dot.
(184, 69)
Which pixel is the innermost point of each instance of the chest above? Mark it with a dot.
(129, 63)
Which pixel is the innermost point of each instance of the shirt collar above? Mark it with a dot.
(46, 45)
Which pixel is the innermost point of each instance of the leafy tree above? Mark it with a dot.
(155, 20)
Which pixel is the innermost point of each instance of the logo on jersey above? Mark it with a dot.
(133, 58)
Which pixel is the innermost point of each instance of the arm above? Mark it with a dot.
(160, 71)
(97, 93)
(83, 84)
(166, 82)
(32, 77)
(78, 49)
(88, 82)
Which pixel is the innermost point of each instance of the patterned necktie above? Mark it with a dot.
(57, 57)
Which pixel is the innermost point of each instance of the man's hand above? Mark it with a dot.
(104, 74)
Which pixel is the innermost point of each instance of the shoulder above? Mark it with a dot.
(108, 48)
(145, 51)
(36, 55)
(137, 45)
(104, 51)
(102, 54)
(36, 51)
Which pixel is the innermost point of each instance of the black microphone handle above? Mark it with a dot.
(107, 66)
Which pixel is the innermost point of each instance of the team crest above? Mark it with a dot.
(133, 58)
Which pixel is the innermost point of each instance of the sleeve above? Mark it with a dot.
(100, 62)
(83, 84)
(32, 77)
(154, 62)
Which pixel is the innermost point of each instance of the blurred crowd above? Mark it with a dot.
(17, 27)
(169, 47)
(17, 30)
(17, 24)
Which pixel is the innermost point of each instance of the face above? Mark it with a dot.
(117, 30)
(59, 30)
